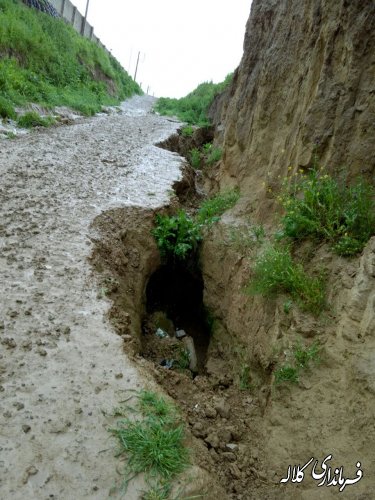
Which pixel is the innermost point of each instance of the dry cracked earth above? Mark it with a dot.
(61, 363)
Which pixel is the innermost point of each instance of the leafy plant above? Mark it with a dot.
(275, 272)
(195, 158)
(187, 131)
(33, 119)
(320, 206)
(177, 236)
(211, 209)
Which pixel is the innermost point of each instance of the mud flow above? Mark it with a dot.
(176, 323)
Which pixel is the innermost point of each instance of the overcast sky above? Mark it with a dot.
(182, 43)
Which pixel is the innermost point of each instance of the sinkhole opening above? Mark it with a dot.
(176, 331)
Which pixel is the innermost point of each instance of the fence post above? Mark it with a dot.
(74, 15)
(83, 25)
(91, 32)
(62, 8)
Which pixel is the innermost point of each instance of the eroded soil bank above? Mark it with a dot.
(245, 429)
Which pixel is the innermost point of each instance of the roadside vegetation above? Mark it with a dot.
(275, 271)
(317, 205)
(178, 236)
(44, 61)
(193, 108)
(151, 440)
(33, 119)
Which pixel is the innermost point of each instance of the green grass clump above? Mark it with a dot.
(33, 119)
(154, 405)
(302, 358)
(211, 209)
(154, 443)
(177, 236)
(212, 154)
(7, 109)
(317, 205)
(193, 108)
(276, 272)
(286, 373)
(45, 61)
(195, 158)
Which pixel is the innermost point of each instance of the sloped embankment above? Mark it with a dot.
(44, 61)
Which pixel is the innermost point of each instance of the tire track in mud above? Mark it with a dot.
(61, 363)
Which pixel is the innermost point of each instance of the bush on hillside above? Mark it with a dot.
(194, 107)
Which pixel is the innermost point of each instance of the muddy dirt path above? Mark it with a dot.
(61, 363)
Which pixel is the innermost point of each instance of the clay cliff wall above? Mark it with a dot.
(307, 77)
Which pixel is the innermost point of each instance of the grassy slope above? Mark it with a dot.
(193, 107)
(43, 60)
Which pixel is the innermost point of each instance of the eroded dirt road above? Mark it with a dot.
(61, 362)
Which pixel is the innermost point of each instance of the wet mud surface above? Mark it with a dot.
(61, 363)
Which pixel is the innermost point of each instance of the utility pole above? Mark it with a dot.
(84, 20)
(136, 67)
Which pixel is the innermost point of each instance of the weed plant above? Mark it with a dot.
(286, 373)
(177, 236)
(193, 108)
(187, 131)
(214, 156)
(275, 271)
(195, 158)
(152, 444)
(45, 61)
(303, 357)
(317, 205)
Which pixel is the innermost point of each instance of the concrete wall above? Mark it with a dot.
(72, 15)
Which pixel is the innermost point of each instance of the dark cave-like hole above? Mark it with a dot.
(178, 293)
